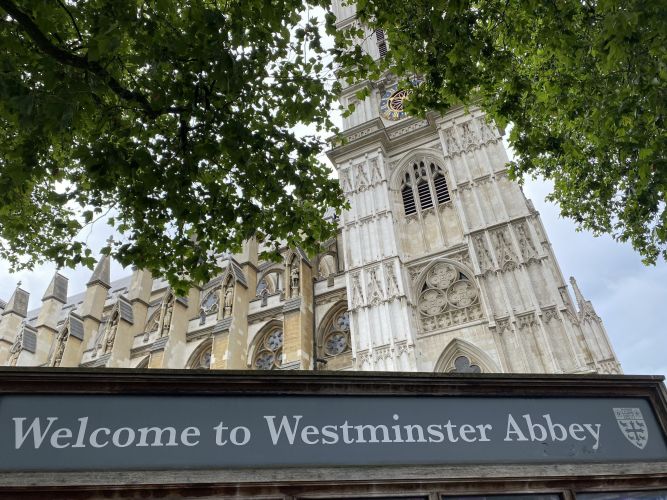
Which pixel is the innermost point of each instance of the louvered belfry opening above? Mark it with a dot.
(428, 184)
(381, 42)
(408, 196)
(425, 199)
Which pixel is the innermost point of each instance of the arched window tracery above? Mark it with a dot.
(462, 364)
(447, 297)
(209, 304)
(335, 336)
(423, 186)
(269, 350)
(201, 358)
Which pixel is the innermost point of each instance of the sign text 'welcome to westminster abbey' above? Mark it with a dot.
(88, 432)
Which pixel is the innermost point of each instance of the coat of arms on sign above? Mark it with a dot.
(632, 424)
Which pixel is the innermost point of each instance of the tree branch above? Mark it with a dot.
(60, 2)
(75, 61)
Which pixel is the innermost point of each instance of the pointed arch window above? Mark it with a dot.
(425, 182)
(462, 364)
(201, 359)
(269, 351)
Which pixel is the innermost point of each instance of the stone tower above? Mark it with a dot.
(440, 264)
(448, 265)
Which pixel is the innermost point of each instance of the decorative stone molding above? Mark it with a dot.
(527, 320)
(400, 132)
(526, 245)
(549, 314)
(468, 136)
(374, 287)
(357, 292)
(505, 253)
(292, 304)
(159, 344)
(483, 255)
(376, 173)
(361, 181)
(222, 325)
(393, 290)
(502, 325)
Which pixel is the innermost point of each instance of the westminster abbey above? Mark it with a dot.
(440, 264)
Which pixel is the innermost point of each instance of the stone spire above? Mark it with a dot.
(57, 289)
(11, 320)
(585, 306)
(102, 273)
(18, 302)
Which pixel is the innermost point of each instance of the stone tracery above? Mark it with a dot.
(269, 350)
(448, 297)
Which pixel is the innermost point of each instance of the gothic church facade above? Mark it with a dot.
(440, 264)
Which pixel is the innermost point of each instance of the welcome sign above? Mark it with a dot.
(132, 432)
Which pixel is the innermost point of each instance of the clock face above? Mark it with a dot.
(391, 105)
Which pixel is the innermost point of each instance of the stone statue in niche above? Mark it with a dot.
(110, 334)
(228, 303)
(294, 278)
(166, 321)
(60, 347)
(357, 294)
(16, 348)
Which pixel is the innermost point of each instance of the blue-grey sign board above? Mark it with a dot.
(129, 432)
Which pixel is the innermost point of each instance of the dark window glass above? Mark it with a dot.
(624, 495)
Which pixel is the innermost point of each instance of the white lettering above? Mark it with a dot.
(187, 433)
(562, 436)
(157, 436)
(60, 433)
(330, 434)
(482, 431)
(532, 427)
(467, 429)
(373, 430)
(35, 429)
(307, 432)
(93, 437)
(83, 423)
(234, 438)
(218, 434)
(594, 433)
(575, 429)
(435, 435)
(513, 428)
(290, 432)
(115, 439)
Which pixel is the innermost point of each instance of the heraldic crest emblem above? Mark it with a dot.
(632, 424)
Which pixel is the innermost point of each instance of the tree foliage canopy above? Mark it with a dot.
(177, 114)
(583, 84)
